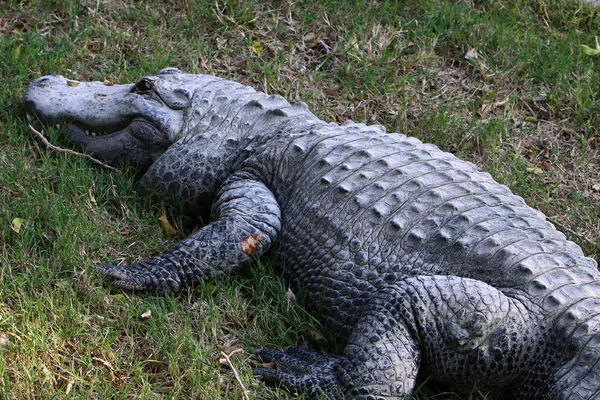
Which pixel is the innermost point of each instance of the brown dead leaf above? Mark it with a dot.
(313, 334)
(269, 365)
(545, 165)
(166, 226)
(17, 26)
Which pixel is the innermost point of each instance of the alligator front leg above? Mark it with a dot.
(245, 222)
(458, 330)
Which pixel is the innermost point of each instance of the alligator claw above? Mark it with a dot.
(302, 371)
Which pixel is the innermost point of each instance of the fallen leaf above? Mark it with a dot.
(289, 295)
(313, 334)
(69, 386)
(16, 225)
(256, 47)
(221, 42)
(108, 82)
(17, 51)
(536, 170)
(3, 342)
(72, 83)
(146, 315)
(166, 226)
(310, 36)
(588, 51)
(21, 26)
(596, 187)
(62, 284)
(118, 297)
(267, 365)
(545, 165)
(472, 54)
(475, 58)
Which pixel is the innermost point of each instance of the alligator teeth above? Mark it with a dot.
(95, 134)
(29, 118)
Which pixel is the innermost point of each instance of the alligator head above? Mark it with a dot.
(114, 123)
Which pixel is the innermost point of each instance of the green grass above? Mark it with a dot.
(524, 107)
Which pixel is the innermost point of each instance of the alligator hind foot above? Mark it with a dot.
(303, 371)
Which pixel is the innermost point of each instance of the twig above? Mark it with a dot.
(68, 151)
(237, 377)
(571, 231)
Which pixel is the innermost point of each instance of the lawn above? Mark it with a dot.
(508, 85)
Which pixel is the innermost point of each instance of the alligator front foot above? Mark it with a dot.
(302, 371)
(141, 277)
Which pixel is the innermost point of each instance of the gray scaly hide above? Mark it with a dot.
(421, 263)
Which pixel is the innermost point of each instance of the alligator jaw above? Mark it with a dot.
(74, 128)
(109, 122)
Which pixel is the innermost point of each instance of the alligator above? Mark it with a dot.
(418, 262)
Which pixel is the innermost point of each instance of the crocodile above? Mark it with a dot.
(420, 263)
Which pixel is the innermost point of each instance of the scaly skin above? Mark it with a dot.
(420, 262)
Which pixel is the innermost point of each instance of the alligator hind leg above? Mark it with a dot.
(456, 330)
(381, 361)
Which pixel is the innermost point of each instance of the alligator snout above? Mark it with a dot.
(111, 122)
(54, 99)
(39, 92)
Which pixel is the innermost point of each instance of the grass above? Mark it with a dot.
(502, 84)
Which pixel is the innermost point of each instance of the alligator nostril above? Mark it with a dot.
(43, 81)
(48, 80)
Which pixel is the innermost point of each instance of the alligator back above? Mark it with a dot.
(362, 209)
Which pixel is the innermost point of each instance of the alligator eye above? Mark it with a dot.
(143, 85)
